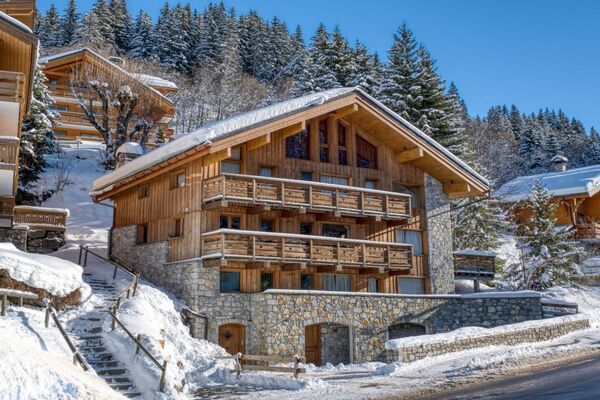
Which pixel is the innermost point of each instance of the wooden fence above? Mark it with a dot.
(241, 365)
(52, 219)
(11, 86)
(16, 294)
(588, 231)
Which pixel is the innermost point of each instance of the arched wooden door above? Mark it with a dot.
(232, 337)
(312, 344)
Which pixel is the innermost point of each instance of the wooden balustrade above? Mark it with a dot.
(470, 264)
(53, 219)
(8, 149)
(7, 204)
(588, 231)
(305, 195)
(252, 246)
(11, 86)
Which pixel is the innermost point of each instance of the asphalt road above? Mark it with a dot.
(579, 380)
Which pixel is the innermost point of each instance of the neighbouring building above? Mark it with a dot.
(576, 193)
(78, 66)
(318, 225)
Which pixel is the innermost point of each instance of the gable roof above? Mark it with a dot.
(580, 182)
(209, 135)
(87, 51)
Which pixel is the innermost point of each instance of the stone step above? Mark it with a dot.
(88, 350)
(117, 379)
(120, 387)
(102, 365)
(132, 395)
(111, 371)
(91, 343)
(96, 357)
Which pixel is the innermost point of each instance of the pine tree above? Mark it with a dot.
(478, 224)
(70, 23)
(254, 52)
(121, 24)
(38, 24)
(142, 41)
(547, 252)
(365, 69)
(51, 32)
(321, 56)
(37, 138)
(340, 57)
(452, 134)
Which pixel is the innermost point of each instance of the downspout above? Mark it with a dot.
(109, 244)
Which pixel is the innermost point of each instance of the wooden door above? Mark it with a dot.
(312, 344)
(232, 337)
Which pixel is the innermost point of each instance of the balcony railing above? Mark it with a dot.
(52, 219)
(11, 86)
(7, 204)
(472, 264)
(309, 196)
(8, 149)
(286, 248)
(588, 231)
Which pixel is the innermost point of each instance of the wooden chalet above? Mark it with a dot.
(18, 52)
(68, 67)
(576, 193)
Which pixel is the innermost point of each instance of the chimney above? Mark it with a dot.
(559, 163)
(127, 152)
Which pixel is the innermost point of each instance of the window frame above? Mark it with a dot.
(324, 146)
(306, 150)
(266, 167)
(342, 147)
(177, 227)
(175, 179)
(230, 217)
(359, 137)
(142, 234)
(144, 192)
(272, 275)
(238, 289)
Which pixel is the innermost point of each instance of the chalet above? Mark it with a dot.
(317, 226)
(575, 191)
(69, 67)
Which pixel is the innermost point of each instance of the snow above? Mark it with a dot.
(470, 252)
(131, 148)
(15, 22)
(48, 209)
(559, 158)
(58, 277)
(155, 81)
(475, 332)
(37, 364)
(579, 181)
(218, 130)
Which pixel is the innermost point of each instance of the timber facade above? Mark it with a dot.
(75, 67)
(330, 194)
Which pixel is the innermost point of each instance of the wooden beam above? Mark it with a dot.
(397, 272)
(292, 129)
(216, 157)
(293, 213)
(342, 112)
(293, 267)
(259, 142)
(409, 155)
(460, 187)
(326, 268)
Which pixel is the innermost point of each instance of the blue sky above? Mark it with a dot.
(534, 54)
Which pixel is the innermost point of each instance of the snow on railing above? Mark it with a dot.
(41, 217)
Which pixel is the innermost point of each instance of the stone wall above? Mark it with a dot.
(335, 343)
(279, 317)
(503, 336)
(18, 237)
(42, 241)
(439, 231)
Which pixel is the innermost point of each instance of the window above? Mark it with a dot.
(233, 165)
(410, 286)
(334, 180)
(144, 191)
(229, 282)
(323, 141)
(142, 234)
(178, 180)
(266, 281)
(298, 145)
(411, 237)
(53, 82)
(59, 133)
(178, 227)
(342, 151)
(366, 154)
(229, 222)
(334, 230)
(370, 184)
(266, 171)
(59, 108)
(336, 282)
(306, 282)
(412, 191)
(305, 228)
(372, 285)
(306, 175)
(266, 225)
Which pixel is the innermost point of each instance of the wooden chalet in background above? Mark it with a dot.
(63, 69)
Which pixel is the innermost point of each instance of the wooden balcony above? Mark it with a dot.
(283, 248)
(7, 204)
(12, 85)
(8, 149)
(304, 196)
(588, 231)
(472, 264)
(42, 218)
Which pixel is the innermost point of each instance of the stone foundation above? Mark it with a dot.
(18, 237)
(41, 241)
(507, 336)
(335, 343)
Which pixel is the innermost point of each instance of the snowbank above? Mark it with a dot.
(58, 277)
(37, 364)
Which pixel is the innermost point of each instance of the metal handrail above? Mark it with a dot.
(121, 266)
(77, 357)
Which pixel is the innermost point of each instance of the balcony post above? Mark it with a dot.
(310, 196)
(253, 248)
(364, 255)
(282, 249)
(282, 193)
(254, 190)
(361, 204)
(310, 250)
(337, 199)
(223, 186)
(389, 259)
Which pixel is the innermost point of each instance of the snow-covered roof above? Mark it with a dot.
(559, 158)
(579, 181)
(219, 130)
(45, 59)
(15, 22)
(155, 81)
(131, 148)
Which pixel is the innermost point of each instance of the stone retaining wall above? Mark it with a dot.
(33, 241)
(507, 336)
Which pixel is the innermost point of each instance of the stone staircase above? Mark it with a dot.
(87, 334)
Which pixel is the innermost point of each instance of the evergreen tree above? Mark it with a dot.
(547, 252)
(38, 24)
(70, 23)
(321, 55)
(340, 57)
(51, 33)
(121, 24)
(37, 138)
(478, 224)
(142, 41)
(364, 69)
(254, 52)
(455, 119)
